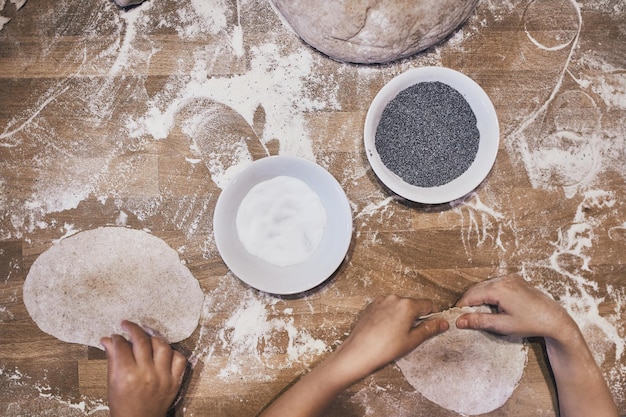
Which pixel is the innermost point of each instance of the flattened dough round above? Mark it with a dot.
(467, 371)
(373, 31)
(81, 289)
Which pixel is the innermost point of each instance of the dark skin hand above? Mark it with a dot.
(144, 373)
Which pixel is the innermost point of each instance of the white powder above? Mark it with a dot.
(281, 221)
(578, 293)
(274, 74)
(609, 84)
(373, 208)
(481, 225)
(35, 393)
(565, 143)
(261, 338)
(275, 82)
(576, 242)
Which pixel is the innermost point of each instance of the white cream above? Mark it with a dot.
(281, 221)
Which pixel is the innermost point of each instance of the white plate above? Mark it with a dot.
(291, 279)
(487, 123)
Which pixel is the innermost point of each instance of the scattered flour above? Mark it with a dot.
(576, 242)
(481, 225)
(276, 82)
(579, 293)
(260, 336)
(373, 208)
(559, 149)
(36, 393)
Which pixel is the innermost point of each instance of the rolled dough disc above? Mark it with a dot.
(467, 371)
(373, 31)
(81, 289)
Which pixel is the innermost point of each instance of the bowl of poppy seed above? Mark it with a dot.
(431, 135)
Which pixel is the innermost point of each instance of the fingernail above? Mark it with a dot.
(461, 323)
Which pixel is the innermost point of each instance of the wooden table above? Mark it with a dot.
(134, 119)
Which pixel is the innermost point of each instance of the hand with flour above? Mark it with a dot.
(144, 373)
(525, 311)
(385, 331)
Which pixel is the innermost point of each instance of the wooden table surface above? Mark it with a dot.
(140, 118)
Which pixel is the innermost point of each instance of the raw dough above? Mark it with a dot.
(281, 221)
(373, 31)
(467, 371)
(81, 289)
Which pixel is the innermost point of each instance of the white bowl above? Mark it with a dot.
(487, 123)
(290, 279)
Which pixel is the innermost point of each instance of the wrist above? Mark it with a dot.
(566, 343)
(561, 329)
(344, 369)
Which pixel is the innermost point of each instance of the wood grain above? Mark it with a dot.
(79, 79)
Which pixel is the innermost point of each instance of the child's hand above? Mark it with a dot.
(525, 311)
(522, 309)
(386, 331)
(144, 373)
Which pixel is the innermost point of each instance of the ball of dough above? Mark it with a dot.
(373, 31)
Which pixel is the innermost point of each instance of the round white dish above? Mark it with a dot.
(290, 279)
(487, 123)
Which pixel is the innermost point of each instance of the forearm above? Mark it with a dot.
(581, 388)
(314, 392)
(384, 332)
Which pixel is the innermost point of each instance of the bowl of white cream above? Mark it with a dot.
(283, 225)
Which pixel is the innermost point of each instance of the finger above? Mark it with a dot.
(106, 343)
(140, 342)
(381, 299)
(118, 351)
(428, 329)
(482, 321)
(477, 295)
(179, 365)
(162, 355)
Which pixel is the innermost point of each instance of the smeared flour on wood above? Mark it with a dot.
(259, 333)
(237, 60)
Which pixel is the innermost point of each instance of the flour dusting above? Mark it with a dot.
(144, 119)
(261, 336)
(271, 82)
(37, 390)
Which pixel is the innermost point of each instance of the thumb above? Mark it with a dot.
(480, 321)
